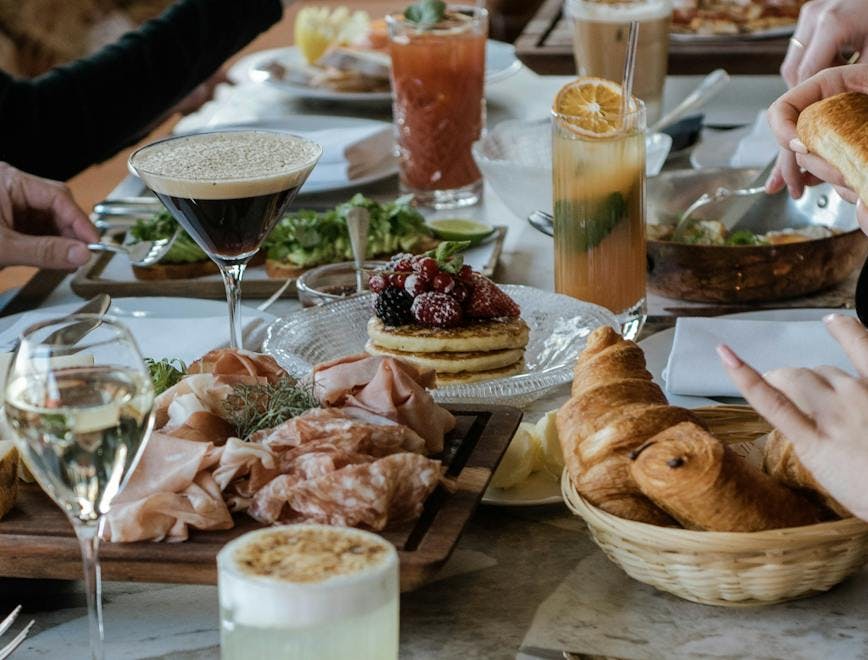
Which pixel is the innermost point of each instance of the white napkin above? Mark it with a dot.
(184, 338)
(351, 153)
(756, 148)
(694, 368)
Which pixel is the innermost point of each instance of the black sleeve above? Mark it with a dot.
(78, 114)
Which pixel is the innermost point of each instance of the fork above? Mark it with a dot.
(7, 650)
(142, 253)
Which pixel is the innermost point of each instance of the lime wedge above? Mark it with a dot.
(460, 229)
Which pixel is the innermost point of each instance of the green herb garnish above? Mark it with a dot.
(448, 255)
(426, 13)
(165, 373)
(163, 225)
(743, 237)
(251, 408)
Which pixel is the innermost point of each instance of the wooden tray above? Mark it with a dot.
(545, 46)
(91, 278)
(37, 541)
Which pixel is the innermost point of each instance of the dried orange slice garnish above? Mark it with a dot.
(591, 106)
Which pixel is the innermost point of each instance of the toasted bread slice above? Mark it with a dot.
(472, 361)
(466, 377)
(176, 271)
(282, 269)
(8, 476)
(490, 335)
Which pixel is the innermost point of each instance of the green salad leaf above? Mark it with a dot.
(165, 373)
(308, 238)
(163, 225)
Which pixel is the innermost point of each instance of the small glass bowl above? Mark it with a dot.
(331, 282)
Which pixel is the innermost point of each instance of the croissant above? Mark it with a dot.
(780, 461)
(614, 408)
(704, 485)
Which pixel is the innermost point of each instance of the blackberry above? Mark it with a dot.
(392, 306)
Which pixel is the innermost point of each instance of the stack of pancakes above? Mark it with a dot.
(483, 350)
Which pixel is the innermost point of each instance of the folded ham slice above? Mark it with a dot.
(170, 490)
(236, 362)
(376, 388)
(389, 490)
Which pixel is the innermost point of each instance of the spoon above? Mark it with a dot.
(143, 253)
(707, 89)
(358, 220)
(542, 222)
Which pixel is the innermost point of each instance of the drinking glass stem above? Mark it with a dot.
(232, 274)
(88, 538)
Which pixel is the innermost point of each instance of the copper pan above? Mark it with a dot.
(751, 273)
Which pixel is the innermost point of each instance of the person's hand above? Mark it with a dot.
(823, 412)
(40, 223)
(827, 31)
(796, 168)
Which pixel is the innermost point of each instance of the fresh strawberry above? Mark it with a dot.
(437, 310)
(488, 301)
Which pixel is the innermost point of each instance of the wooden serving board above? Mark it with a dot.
(37, 541)
(111, 273)
(546, 47)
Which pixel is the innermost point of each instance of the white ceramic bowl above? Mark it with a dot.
(515, 157)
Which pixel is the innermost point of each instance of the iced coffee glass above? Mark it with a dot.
(438, 76)
(308, 591)
(599, 213)
(600, 29)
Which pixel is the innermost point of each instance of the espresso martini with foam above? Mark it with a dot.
(227, 188)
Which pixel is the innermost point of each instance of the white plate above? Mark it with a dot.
(536, 490)
(716, 148)
(558, 326)
(658, 346)
(771, 33)
(500, 63)
(309, 123)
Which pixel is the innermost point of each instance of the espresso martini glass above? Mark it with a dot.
(227, 188)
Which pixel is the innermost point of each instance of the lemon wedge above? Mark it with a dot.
(318, 28)
(592, 106)
(519, 460)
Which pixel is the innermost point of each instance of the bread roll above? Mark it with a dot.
(781, 463)
(706, 486)
(8, 476)
(835, 130)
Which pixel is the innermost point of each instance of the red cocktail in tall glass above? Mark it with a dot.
(438, 76)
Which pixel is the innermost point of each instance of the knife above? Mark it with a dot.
(739, 206)
(553, 654)
(71, 334)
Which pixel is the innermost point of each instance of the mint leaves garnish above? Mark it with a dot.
(448, 255)
(426, 13)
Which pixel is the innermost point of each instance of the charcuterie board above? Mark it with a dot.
(37, 541)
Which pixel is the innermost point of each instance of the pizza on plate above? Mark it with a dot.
(733, 17)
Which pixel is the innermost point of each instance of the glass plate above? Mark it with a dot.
(558, 326)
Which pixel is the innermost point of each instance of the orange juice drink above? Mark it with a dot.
(599, 199)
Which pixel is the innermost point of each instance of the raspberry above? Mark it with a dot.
(487, 301)
(465, 274)
(460, 292)
(403, 266)
(392, 306)
(443, 282)
(415, 285)
(428, 267)
(403, 258)
(376, 283)
(437, 309)
(397, 280)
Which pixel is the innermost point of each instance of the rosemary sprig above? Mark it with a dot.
(251, 408)
(164, 373)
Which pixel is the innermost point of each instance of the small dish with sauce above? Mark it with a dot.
(331, 282)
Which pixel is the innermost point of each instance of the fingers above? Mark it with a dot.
(806, 388)
(799, 43)
(791, 173)
(821, 168)
(51, 252)
(775, 183)
(848, 332)
(768, 401)
(28, 193)
(821, 52)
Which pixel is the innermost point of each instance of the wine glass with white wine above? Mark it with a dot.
(80, 415)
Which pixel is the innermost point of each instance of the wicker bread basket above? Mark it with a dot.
(725, 568)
